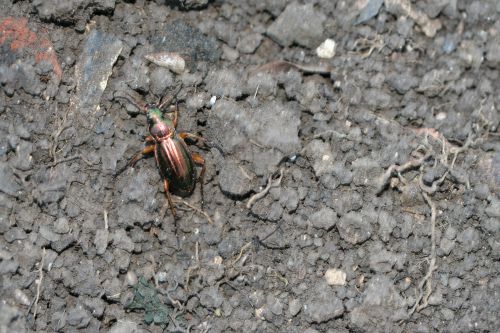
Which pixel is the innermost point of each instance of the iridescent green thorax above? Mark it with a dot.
(155, 116)
(155, 113)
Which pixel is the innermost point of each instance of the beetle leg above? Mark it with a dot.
(199, 160)
(200, 141)
(176, 115)
(169, 198)
(137, 156)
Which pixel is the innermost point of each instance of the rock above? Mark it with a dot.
(382, 306)
(289, 199)
(46, 231)
(193, 4)
(14, 233)
(92, 72)
(11, 319)
(325, 218)
(249, 43)
(78, 317)
(493, 52)
(294, 307)
(387, 224)
(62, 226)
(125, 326)
(232, 181)
(101, 240)
(322, 156)
(274, 305)
(9, 266)
(302, 24)
(122, 241)
(470, 239)
(327, 49)
(493, 210)
(402, 82)
(8, 184)
(122, 259)
(23, 160)
(255, 124)
(335, 277)
(161, 79)
(383, 261)
(194, 44)
(224, 82)
(471, 53)
(322, 305)
(211, 297)
(354, 228)
(63, 243)
(370, 10)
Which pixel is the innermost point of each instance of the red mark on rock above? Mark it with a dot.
(16, 32)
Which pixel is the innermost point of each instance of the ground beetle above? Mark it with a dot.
(175, 161)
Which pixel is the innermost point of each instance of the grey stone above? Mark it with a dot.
(325, 218)
(302, 24)
(14, 234)
(470, 239)
(8, 184)
(322, 305)
(78, 317)
(122, 241)
(382, 306)
(232, 181)
(354, 228)
(161, 79)
(92, 71)
(249, 43)
(455, 283)
(225, 82)
(493, 52)
(387, 224)
(289, 199)
(23, 160)
(63, 243)
(383, 261)
(11, 319)
(493, 210)
(101, 240)
(62, 226)
(211, 297)
(294, 307)
(46, 231)
(322, 156)
(402, 82)
(122, 260)
(275, 305)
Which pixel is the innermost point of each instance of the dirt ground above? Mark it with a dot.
(357, 191)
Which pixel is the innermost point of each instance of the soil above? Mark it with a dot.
(355, 192)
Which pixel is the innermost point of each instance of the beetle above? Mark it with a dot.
(174, 160)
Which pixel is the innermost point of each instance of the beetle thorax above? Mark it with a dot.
(160, 131)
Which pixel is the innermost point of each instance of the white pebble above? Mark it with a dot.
(212, 101)
(335, 277)
(327, 49)
(170, 60)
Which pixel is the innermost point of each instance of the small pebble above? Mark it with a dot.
(327, 49)
(131, 278)
(335, 277)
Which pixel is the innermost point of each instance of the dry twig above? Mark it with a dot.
(38, 284)
(196, 209)
(423, 297)
(261, 194)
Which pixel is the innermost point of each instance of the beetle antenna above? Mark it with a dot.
(169, 99)
(130, 99)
